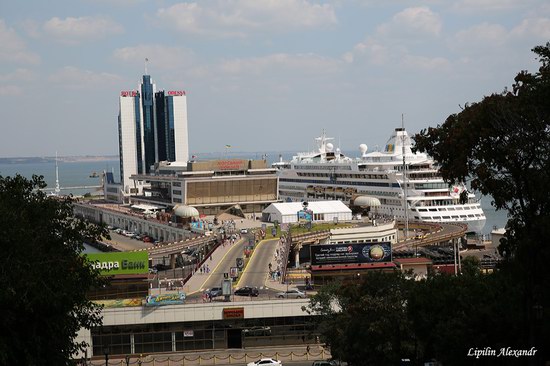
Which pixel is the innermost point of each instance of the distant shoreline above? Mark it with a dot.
(62, 159)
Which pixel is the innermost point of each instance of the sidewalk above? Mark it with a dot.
(197, 280)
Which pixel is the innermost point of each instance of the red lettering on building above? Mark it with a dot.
(233, 313)
(131, 93)
(231, 164)
(176, 93)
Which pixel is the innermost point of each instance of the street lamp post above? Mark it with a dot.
(106, 353)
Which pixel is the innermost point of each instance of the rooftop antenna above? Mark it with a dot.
(146, 61)
(57, 189)
(404, 175)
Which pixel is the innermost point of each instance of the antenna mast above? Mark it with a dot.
(404, 176)
(146, 61)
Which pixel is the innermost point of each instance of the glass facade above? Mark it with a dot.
(203, 335)
(160, 106)
(147, 106)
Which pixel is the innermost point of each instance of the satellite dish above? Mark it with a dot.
(330, 146)
(363, 149)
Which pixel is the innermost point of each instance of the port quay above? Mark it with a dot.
(207, 256)
(195, 325)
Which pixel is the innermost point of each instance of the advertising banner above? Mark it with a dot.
(120, 303)
(166, 299)
(350, 253)
(114, 263)
(305, 216)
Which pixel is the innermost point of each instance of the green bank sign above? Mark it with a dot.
(115, 263)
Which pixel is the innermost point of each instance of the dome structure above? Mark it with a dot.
(185, 211)
(366, 201)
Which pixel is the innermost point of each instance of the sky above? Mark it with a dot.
(260, 75)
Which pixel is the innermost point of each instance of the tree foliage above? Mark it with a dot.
(503, 145)
(366, 322)
(43, 278)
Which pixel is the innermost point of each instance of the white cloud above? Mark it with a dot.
(234, 18)
(161, 57)
(18, 75)
(426, 63)
(76, 30)
(10, 90)
(73, 78)
(476, 6)
(306, 63)
(13, 48)
(412, 22)
(373, 51)
(537, 28)
(478, 39)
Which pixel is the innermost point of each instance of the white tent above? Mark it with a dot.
(287, 212)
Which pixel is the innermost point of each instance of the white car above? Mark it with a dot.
(291, 294)
(265, 362)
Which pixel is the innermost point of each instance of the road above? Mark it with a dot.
(229, 260)
(257, 270)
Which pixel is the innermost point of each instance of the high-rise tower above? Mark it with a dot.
(152, 127)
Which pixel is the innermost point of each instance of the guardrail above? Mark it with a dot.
(212, 359)
(437, 237)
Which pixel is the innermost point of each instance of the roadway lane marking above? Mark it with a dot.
(250, 260)
(201, 287)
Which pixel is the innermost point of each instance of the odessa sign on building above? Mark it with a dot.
(115, 263)
(350, 253)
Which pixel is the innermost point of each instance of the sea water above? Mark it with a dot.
(71, 174)
(77, 174)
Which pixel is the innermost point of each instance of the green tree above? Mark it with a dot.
(365, 322)
(43, 278)
(503, 145)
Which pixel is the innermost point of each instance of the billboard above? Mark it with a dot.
(114, 263)
(165, 299)
(305, 215)
(350, 253)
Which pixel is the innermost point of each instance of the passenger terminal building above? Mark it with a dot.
(212, 187)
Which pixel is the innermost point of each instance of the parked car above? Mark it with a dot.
(265, 362)
(161, 267)
(247, 291)
(324, 363)
(215, 291)
(257, 331)
(147, 239)
(291, 294)
(244, 231)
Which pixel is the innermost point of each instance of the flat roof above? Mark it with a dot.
(419, 260)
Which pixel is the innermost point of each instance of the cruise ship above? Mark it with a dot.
(380, 181)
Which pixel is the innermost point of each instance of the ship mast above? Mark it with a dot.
(57, 189)
(404, 176)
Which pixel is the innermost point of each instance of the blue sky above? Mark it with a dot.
(260, 75)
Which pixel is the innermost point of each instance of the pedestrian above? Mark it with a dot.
(210, 256)
(307, 349)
